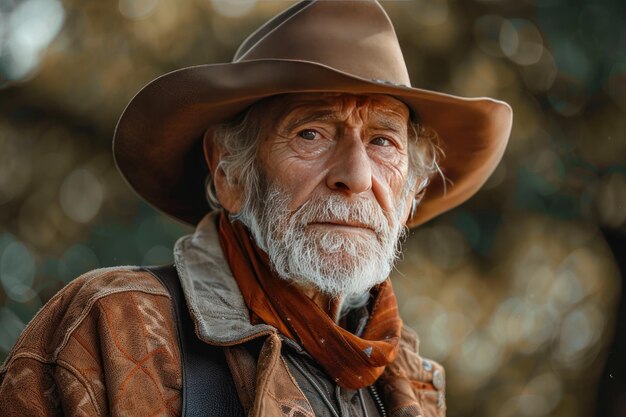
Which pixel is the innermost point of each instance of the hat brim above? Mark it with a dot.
(157, 141)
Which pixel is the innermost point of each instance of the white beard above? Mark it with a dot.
(343, 265)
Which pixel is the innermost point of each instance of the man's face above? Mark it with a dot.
(353, 146)
(334, 172)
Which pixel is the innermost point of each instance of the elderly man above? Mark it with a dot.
(301, 164)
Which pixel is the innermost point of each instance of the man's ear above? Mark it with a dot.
(230, 196)
(414, 199)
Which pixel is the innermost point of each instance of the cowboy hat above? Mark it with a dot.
(313, 46)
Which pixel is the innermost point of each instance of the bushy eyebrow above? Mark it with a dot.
(381, 122)
(390, 123)
(322, 115)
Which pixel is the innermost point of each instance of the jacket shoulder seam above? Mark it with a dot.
(94, 274)
(26, 351)
(27, 355)
(52, 359)
(37, 318)
(89, 306)
(80, 378)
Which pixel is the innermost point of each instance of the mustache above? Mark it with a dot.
(336, 209)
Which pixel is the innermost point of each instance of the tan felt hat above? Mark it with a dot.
(313, 46)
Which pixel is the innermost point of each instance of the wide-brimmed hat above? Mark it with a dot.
(313, 46)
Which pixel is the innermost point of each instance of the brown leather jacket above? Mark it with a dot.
(106, 346)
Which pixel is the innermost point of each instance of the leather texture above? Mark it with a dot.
(208, 387)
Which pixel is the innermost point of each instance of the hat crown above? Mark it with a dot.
(355, 37)
(331, 45)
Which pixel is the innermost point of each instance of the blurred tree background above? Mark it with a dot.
(516, 292)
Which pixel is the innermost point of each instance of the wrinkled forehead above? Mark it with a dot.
(341, 106)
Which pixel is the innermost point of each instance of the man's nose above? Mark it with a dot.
(351, 172)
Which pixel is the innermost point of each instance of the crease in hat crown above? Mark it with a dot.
(355, 37)
(312, 46)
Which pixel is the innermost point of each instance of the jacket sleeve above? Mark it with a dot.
(104, 345)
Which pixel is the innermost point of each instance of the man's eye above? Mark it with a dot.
(308, 134)
(380, 141)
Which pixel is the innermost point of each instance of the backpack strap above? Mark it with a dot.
(208, 388)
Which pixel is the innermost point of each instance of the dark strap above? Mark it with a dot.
(208, 386)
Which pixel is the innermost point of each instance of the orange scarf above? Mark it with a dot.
(354, 362)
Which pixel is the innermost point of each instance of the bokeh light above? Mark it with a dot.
(233, 8)
(27, 29)
(137, 9)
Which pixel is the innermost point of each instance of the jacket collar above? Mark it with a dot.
(215, 303)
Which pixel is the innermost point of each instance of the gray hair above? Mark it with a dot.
(238, 142)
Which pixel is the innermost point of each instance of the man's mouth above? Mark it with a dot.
(347, 226)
